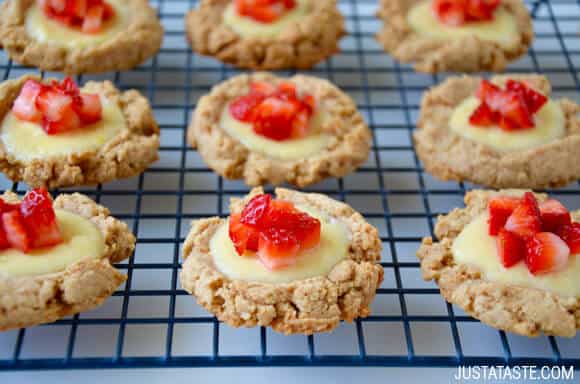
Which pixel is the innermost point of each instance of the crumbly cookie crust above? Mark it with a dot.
(449, 156)
(127, 154)
(140, 41)
(306, 306)
(31, 300)
(463, 54)
(348, 148)
(522, 310)
(302, 45)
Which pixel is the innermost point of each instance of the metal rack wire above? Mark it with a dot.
(151, 322)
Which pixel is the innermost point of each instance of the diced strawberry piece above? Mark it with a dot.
(546, 252)
(93, 20)
(242, 108)
(69, 121)
(40, 219)
(91, 109)
(554, 215)
(511, 248)
(449, 12)
(307, 230)
(77, 8)
(263, 88)
(58, 5)
(525, 219)
(278, 248)
(16, 233)
(4, 243)
(54, 105)
(273, 119)
(244, 237)
(500, 208)
(255, 211)
(264, 11)
(24, 107)
(571, 235)
(7, 207)
(486, 89)
(287, 91)
(481, 9)
(515, 113)
(534, 100)
(483, 116)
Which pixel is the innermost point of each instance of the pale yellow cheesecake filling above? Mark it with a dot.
(27, 141)
(476, 247)
(248, 27)
(319, 261)
(287, 149)
(502, 29)
(549, 126)
(44, 29)
(82, 240)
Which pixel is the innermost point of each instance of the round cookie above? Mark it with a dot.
(306, 306)
(524, 310)
(27, 300)
(129, 152)
(137, 41)
(460, 53)
(450, 156)
(347, 148)
(301, 44)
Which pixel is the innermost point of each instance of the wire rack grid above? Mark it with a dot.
(151, 322)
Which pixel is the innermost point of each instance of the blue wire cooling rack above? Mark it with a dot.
(151, 322)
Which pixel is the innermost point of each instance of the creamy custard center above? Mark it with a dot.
(45, 29)
(502, 29)
(287, 149)
(82, 240)
(549, 126)
(319, 261)
(476, 247)
(248, 27)
(27, 141)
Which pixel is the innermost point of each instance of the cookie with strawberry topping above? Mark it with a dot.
(455, 35)
(56, 134)
(266, 34)
(509, 259)
(56, 257)
(296, 262)
(80, 36)
(266, 129)
(505, 132)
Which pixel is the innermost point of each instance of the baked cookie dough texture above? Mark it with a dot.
(459, 54)
(306, 306)
(127, 154)
(30, 300)
(301, 44)
(522, 310)
(448, 156)
(140, 40)
(347, 149)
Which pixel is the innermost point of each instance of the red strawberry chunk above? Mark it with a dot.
(511, 108)
(85, 15)
(525, 219)
(554, 215)
(278, 248)
(275, 112)
(15, 229)
(40, 219)
(24, 107)
(511, 248)
(546, 253)
(500, 208)
(244, 237)
(571, 235)
(534, 100)
(264, 11)
(307, 230)
(90, 110)
(255, 211)
(4, 243)
(458, 12)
